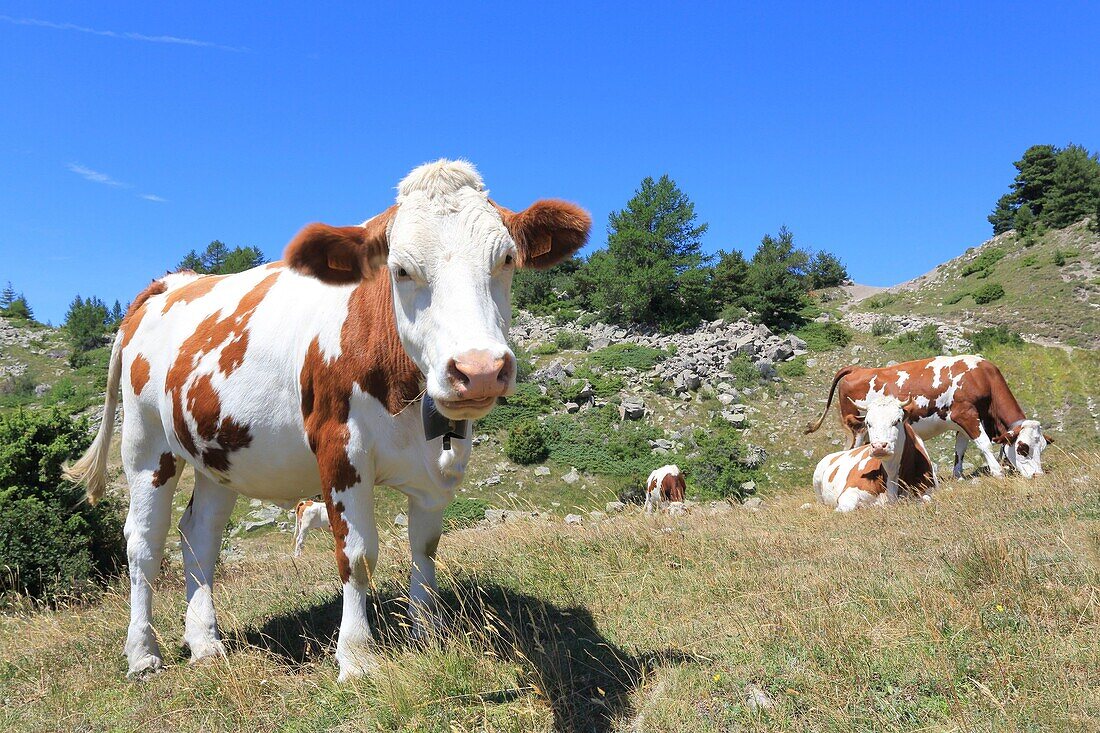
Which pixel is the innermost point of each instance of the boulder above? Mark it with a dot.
(632, 408)
(574, 519)
(401, 521)
(614, 507)
(572, 477)
(542, 471)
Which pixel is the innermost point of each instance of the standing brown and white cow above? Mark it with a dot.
(305, 376)
(965, 393)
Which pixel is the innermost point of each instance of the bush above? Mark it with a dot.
(544, 349)
(463, 512)
(526, 443)
(527, 403)
(983, 262)
(620, 356)
(523, 362)
(1059, 258)
(53, 544)
(953, 299)
(718, 471)
(988, 338)
(916, 344)
(743, 368)
(882, 326)
(880, 301)
(825, 336)
(793, 368)
(596, 441)
(567, 339)
(988, 293)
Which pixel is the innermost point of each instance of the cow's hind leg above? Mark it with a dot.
(152, 475)
(425, 529)
(962, 440)
(353, 527)
(201, 529)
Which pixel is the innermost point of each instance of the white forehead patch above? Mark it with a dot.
(441, 179)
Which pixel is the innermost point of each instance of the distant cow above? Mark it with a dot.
(894, 461)
(664, 486)
(308, 515)
(964, 393)
(320, 374)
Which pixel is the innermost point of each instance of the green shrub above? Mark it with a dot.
(53, 544)
(523, 361)
(953, 299)
(718, 471)
(463, 512)
(544, 349)
(566, 316)
(733, 312)
(744, 370)
(880, 301)
(527, 403)
(983, 262)
(794, 368)
(1031, 260)
(994, 336)
(526, 443)
(825, 336)
(912, 345)
(988, 293)
(567, 339)
(1059, 258)
(882, 326)
(620, 356)
(596, 441)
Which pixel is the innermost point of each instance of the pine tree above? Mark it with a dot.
(7, 297)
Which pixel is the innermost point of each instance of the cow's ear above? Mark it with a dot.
(1048, 439)
(1006, 437)
(547, 231)
(340, 255)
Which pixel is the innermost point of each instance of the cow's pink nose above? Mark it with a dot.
(478, 374)
(878, 448)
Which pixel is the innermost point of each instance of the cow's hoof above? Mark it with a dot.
(206, 650)
(356, 663)
(144, 667)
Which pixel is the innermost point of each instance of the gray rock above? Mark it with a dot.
(542, 471)
(572, 407)
(737, 419)
(41, 389)
(753, 503)
(401, 521)
(614, 507)
(632, 408)
(492, 480)
(756, 699)
(572, 477)
(574, 519)
(494, 516)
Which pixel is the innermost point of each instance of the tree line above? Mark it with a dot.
(654, 271)
(1053, 188)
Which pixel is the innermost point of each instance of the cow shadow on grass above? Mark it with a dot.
(587, 680)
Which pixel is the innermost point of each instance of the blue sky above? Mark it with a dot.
(131, 133)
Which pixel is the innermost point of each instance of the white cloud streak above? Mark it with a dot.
(95, 176)
(125, 35)
(154, 197)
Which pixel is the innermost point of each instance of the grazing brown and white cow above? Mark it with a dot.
(664, 487)
(306, 376)
(966, 393)
(308, 515)
(894, 461)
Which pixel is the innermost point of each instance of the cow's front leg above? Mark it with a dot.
(968, 420)
(962, 440)
(425, 528)
(351, 513)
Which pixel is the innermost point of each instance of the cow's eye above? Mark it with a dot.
(509, 260)
(403, 274)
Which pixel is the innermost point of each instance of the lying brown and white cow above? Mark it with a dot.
(894, 461)
(308, 515)
(305, 376)
(664, 487)
(965, 393)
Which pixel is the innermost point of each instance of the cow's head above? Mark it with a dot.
(450, 253)
(1024, 445)
(884, 417)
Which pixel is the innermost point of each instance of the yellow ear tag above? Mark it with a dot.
(338, 263)
(540, 246)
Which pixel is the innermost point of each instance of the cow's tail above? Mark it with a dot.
(91, 468)
(812, 427)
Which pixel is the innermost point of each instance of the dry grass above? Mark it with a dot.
(980, 612)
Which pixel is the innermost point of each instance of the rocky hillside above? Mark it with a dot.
(1046, 287)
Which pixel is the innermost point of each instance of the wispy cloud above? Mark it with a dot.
(153, 197)
(95, 176)
(125, 35)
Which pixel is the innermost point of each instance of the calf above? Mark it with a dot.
(967, 394)
(894, 461)
(665, 486)
(308, 515)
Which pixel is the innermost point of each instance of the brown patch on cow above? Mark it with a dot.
(166, 471)
(834, 473)
(192, 291)
(372, 357)
(221, 435)
(673, 487)
(136, 312)
(340, 535)
(547, 231)
(139, 373)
